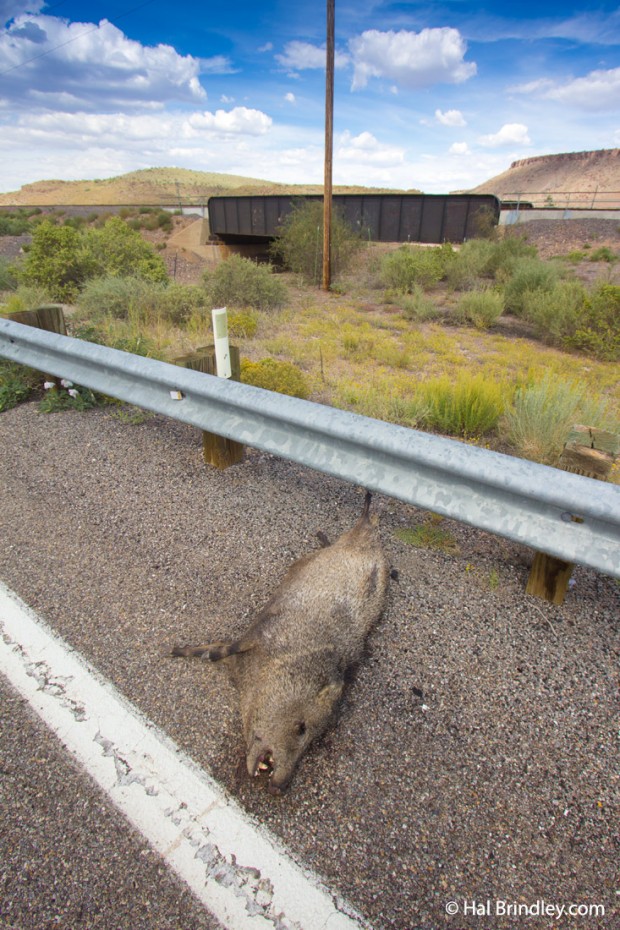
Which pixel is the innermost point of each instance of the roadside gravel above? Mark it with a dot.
(475, 757)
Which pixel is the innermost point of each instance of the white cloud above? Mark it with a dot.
(450, 118)
(459, 148)
(239, 121)
(413, 59)
(509, 134)
(290, 98)
(95, 66)
(10, 9)
(267, 47)
(301, 56)
(598, 90)
(366, 149)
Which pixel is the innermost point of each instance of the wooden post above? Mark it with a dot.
(590, 452)
(217, 450)
(49, 317)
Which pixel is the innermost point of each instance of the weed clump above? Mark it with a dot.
(469, 406)
(240, 282)
(274, 375)
(414, 266)
(481, 308)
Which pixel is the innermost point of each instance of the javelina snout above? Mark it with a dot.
(289, 665)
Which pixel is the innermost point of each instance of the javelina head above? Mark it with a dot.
(284, 714)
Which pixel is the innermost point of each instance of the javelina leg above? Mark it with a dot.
(195, 651)
(215, 651)
(322, 538)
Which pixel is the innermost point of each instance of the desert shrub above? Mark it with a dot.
(470, 405)
(555, 313)
(242, 323)
(113, 295)
(603, 254)
(543, 413)
(569, 315)
(470, 264)
(177, 302)
(118, 250)
(299, 245)
(14, 224)
(414, 265)
(26, 297)
(418, 306)
(528, 275)
(8, 275)
(16, 384)
(506, 253)
(240, 282)
(274, 375)
(480, 308)
(598, 329)
(57, 261)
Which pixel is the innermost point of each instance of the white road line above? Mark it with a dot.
(232, 864)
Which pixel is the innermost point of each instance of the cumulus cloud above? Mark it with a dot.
(94, 66)
(301, 56)
(238, 121)
(598, 90)
(509, 134)
(450, 118)
(10, 9)
(290, 98)
(367, 149)
(459, 148)
(413, 59)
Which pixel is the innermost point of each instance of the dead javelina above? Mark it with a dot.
(289, 666)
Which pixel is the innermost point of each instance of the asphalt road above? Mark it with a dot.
(475, 756)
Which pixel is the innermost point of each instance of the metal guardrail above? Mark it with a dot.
(574, 518)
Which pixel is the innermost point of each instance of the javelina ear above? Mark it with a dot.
(330, 694)
(225, 650)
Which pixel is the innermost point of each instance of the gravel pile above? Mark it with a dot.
(475, 758)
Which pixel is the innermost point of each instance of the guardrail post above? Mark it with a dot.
(217, 450)
(590, 452)
(49, 317)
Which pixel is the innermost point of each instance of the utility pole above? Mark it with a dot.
(329, 145)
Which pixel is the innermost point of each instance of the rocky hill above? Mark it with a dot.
(152, 186)
(574, 178)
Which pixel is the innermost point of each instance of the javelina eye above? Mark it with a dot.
(301, 728)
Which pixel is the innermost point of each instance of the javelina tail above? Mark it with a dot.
(214, 651)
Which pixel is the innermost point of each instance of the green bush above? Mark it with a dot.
(274, 375)
(603, 254)
(470, 264)
(240, 282)
(14, 224)
(480, 308)
(570, 316)
(118, 250)
(299, 245)
(505, 254)
(16, 384)
(63, 258)
(26, 297)
(411, 266)
(470, 405)
(113, 295)
(543, 413)
(418, 306)
(57, 261)
(598, 329)
(8, 275)
(529, 275)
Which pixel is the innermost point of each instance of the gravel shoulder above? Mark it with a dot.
(475, 757)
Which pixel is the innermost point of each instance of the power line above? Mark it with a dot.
(86, 32)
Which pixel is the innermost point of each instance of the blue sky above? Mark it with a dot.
(438, 96)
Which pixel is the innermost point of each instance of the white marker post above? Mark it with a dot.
(220, 338)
